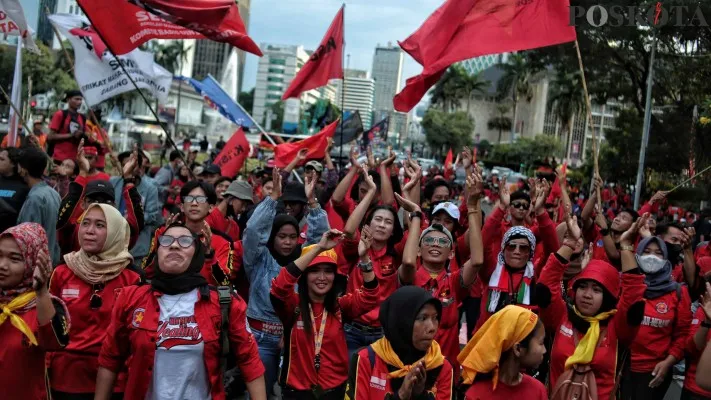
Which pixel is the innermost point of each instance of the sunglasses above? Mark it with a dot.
(95, 302)
(524, 248)
(520, 206)
(196, 199)
(183, 241)
(436, 241)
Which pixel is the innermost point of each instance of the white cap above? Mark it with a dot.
(448, 207)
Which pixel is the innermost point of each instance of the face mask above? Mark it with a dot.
(650, 263)
(674, 251)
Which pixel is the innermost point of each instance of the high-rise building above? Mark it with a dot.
(210, 58)
(45, 33)
(478, 64)
(387, 73)
(358, 94)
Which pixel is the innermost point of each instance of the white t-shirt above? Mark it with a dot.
(179, 371)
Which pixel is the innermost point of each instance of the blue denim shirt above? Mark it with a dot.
(42, 207)
(152, 216)
(260, 266)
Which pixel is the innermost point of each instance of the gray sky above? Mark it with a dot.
(367, 23)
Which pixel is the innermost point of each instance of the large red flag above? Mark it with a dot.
(464, 29)
(204, 11)
(141, 24)
(324, 64)
(316, 144)
(233, 155)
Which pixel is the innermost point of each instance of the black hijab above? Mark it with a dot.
(186, 281)
(397, 317)
(279, 221)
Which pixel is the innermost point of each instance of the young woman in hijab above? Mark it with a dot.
(32, 321)
(271, 242)
(698, 340)
(511, 341)
(383, 256)
(319, 371)
(88, 283)
(604, 316)
(406, 363)
(168, 334)
(661, 339)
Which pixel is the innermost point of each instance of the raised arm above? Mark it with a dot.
(586, 214)
(630, 306)
(476, 244)
(259, 226)
(690, 275)
(298, 159)
(342, 189)
(408, 268)
(627, 241)
(386, 187)
(354, 220)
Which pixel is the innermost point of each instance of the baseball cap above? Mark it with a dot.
(212, 169)
(91, 150)
(315, 165)
(448, 207)
(294, 192)
(100, 188)
(437, 228)
(240, 190)
(324, 257)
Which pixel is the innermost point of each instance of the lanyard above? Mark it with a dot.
(318, 337)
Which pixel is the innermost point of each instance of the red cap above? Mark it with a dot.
(704, 264)
(604, 274)
(91, 150)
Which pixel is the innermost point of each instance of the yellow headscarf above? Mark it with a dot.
(432, 359)
(585, 350)
(498, 334)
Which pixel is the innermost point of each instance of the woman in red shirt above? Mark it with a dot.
(510, 341)
(662, 336)
(88, 283)
(316, 362)
(605, 313)
(406, 363)
(32, 321)
(699, 337)
(169, 334)
(172, 203)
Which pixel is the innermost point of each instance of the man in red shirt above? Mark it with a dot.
(67, 128)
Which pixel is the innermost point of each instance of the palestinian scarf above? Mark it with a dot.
(660, 282)
(114, 256)
(279, 221)
(585, 350)
(500, 279)
(498, 334)
(184, 282)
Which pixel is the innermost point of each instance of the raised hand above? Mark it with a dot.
(504, 195)
(371, 158)
(309, 188)
(301, 155)
(368, 179)
(386, 163)
(130, 166)
(406, 204)
(329, 145)
(42, 273)
(276, 178)
(687, 238)
(81, 158)
(630, 236)
(587, 256)
(541, 194)
(414, 180)
(600, 220)
(573, 229)
(658, 197)
(206, 236)
(330, 239)
(353, 155)
(466, 157)
(474, 189)
(366, 240)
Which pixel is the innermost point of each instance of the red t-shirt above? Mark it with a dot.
(67, 148)
(529, 389)
(694, 354)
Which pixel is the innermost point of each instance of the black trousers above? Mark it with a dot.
(337, 393)
(80, 396)
(635, 385)
(471, 307)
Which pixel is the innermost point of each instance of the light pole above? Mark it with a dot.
(645, 128)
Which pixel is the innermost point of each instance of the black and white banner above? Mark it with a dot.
(99, 73)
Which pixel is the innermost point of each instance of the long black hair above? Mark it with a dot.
(330, 304)
(398, 232)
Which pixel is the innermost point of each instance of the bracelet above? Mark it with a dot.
(706, 324)
(627, 247)
(365, 267)
(474, 211)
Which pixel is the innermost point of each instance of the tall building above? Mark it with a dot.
(210, 58)
(358, 94)
(478, 64)
(387, 74)
(44, 30)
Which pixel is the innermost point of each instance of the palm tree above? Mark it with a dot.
(456, 85)
(472, 85)
(171, 55)
(516, 82)
(501, 122)
(566, 101)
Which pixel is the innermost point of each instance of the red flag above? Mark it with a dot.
(316, 144)
(324, 64)
(232, 156)
(205, 11)
(448, 164)
(464, 29)
(474, 154)
(139, 25)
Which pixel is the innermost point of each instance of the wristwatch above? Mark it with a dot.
(366, 267)
(706, 324)
(627, 247)
(417, 214)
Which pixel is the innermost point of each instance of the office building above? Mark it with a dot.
(358, 94)
(387, 74)
(478, 64)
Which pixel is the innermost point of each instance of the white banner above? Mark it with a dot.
(13, 23)
(99, 74)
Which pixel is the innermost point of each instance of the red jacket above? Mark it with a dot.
(88, 330)
(555, 318)
(664, 330)
(298, 371)
(694, 354)
(371, 382)
(218, 221)
(23, 374)
(529, 388)
(131, 339)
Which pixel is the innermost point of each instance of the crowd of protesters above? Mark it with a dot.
(380, 281)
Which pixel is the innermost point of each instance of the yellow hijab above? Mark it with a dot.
(585, 350)
(498, 334)
(114, 256)
(432, 359)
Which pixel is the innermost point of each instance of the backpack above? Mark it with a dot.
(232, 379)
(578, 382)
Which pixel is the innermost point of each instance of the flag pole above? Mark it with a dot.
(14, 108)
(180, 87)
(343, 88)
(590, 121)
(16, 96)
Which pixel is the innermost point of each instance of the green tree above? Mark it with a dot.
(566, 100)
(171, 55)
(333, 112)
(277, 115)
(526, 150)
(501, 122)
(447, 130)
(516, 82)
(456, 85)
(246, 100)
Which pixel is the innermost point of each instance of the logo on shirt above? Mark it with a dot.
(378, 383)
(655, 322)
(599, 243)
(137, 317)
(70, 293)
(387, 269)
(178, 331)
(662, 307)
(566, 331)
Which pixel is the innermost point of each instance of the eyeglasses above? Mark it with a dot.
(183, 241)
(520, 205)
(524, 248)
(197, 199)
(95, 302)
(436, 241)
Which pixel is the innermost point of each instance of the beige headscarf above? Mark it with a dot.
(114, 256)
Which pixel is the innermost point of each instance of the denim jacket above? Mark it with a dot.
(260, 266)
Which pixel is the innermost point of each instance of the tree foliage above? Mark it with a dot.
(169, 55)
(525, 150)
(246, 100)
(447, 130)
(456, 85)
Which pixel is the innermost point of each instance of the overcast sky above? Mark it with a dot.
(367, 24)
